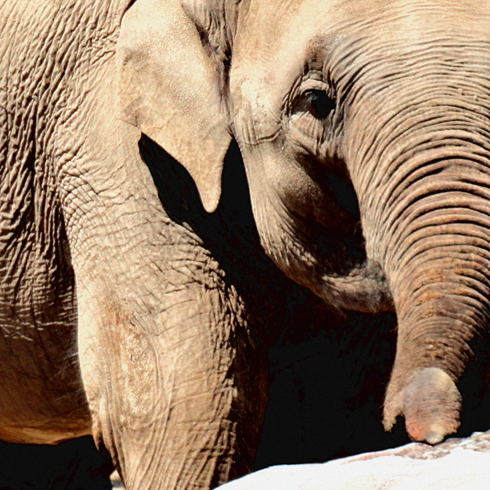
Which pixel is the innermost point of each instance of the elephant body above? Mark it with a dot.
(87, 245)
(186, 184)
(42, 400)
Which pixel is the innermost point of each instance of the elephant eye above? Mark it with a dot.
(317, 102)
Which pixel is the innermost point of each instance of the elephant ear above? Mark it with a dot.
(168, 88)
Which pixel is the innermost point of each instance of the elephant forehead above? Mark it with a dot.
(362, 46)
(276, 32)
(402, 19)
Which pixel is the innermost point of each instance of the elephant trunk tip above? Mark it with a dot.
(430, 403)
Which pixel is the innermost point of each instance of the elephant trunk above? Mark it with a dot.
(422, 174)
(439, 320)
(437, 259)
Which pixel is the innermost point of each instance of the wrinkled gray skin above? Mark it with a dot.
(365, 136)
(391, 97)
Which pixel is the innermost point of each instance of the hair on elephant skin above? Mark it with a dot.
(236, 234)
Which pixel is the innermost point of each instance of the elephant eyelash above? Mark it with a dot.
(312, 96)
(312, 120)
(316, 102)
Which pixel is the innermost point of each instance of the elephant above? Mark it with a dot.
(140, 293)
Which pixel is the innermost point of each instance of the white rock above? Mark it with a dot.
(462, 464)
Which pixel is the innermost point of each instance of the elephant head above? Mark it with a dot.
(364, 128)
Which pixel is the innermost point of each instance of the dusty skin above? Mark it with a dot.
(189, 187)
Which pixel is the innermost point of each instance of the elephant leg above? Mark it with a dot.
(175, 381)
(179, 409)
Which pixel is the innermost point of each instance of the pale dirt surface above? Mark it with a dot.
(457, 464)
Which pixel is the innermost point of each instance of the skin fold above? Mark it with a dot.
(139, 294)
